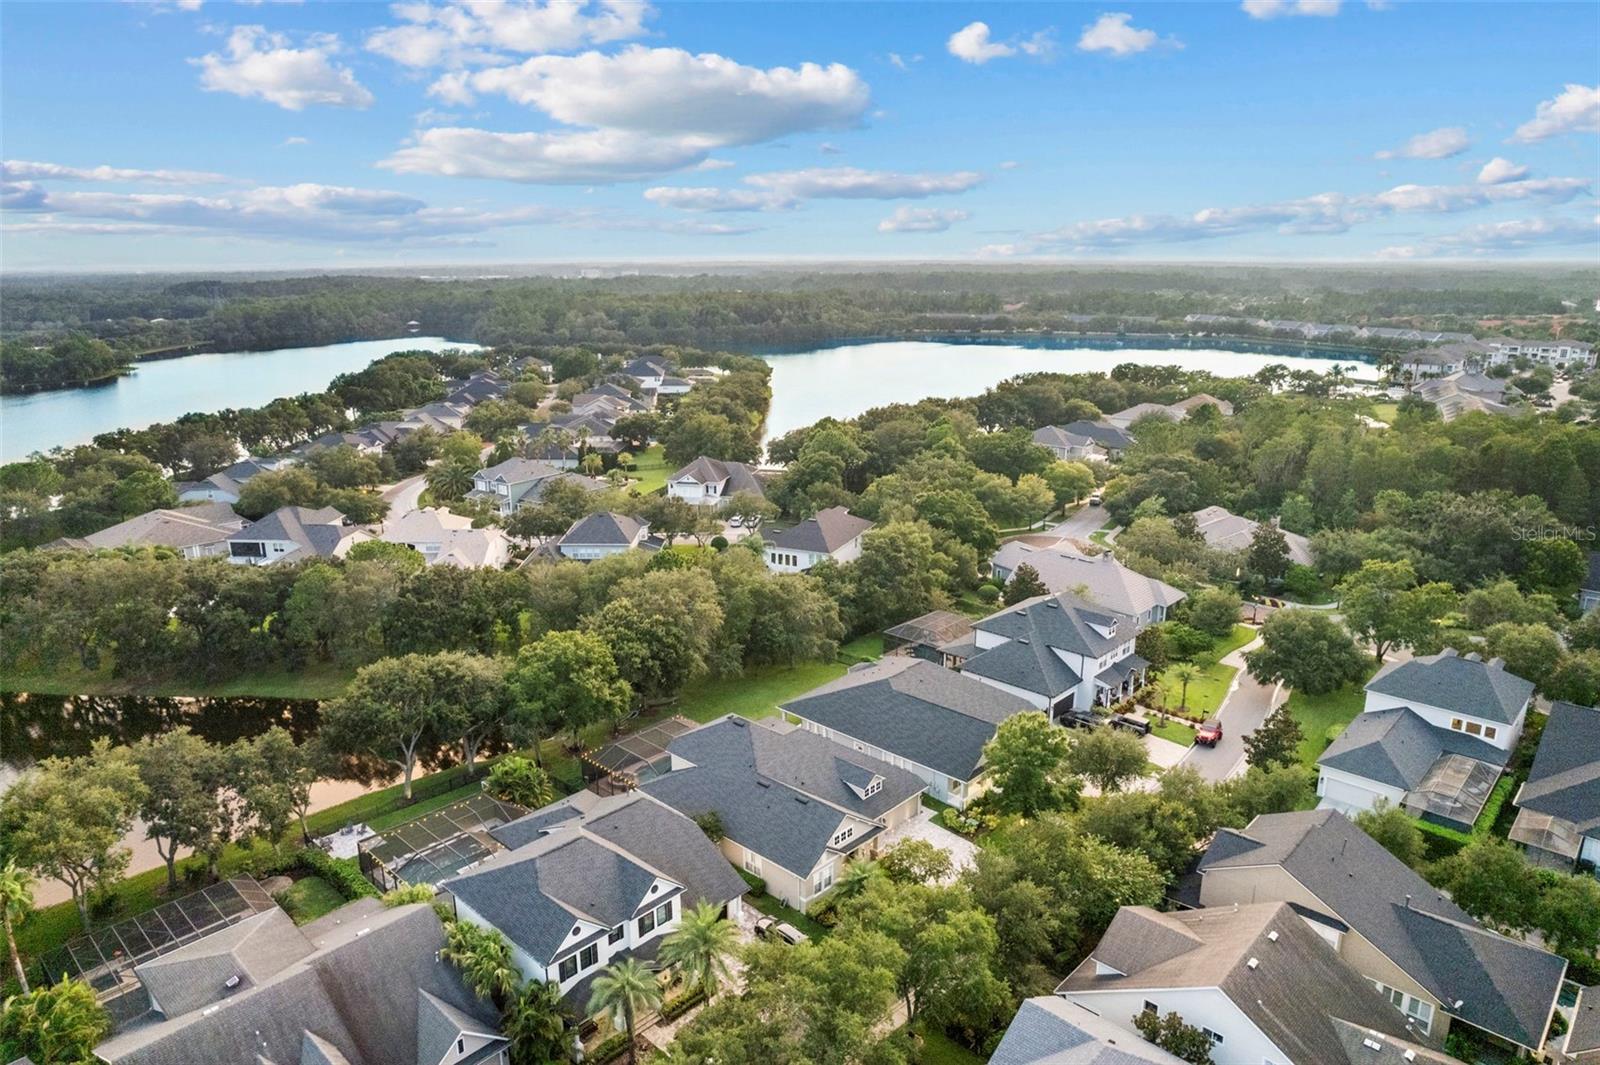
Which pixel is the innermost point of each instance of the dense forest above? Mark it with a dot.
(748, 311)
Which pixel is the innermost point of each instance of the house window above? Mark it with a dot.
(647, 923)
(823, 881)
(1150, 1007)
(1455, 724)
(568, 968)
(844, 835)
(461, 1046)
(664, 912)
(589, 956)
(872, 789)
(1474, 729)
(1415, 1008)
(1489, 732)
(617, 933)
(752, 862)
(953, 786)
(1215, 1037)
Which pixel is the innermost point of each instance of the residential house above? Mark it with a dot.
(1425, 955)
(648, 371)
(364, 985)
(294, 534)
(588, 881)
(1058, 652)
(368, 440)
(612, 399)
(674, 386)
(915, 715)
(602, 534)
(1114, 441)
(517, 482)
(446, 539)
(940, 636)
(1069, 446)
(441, 415)
(1176, 412)
(1054, 1031)
(832, 533)
(197, 531)
(1264, 987)
(1558, 806)
(706, 482)
(1574, 354)
(223, 486)
(793, 805)
(1224, 531)
(1582, 1042)
(1464, 392)
(1098, 578)
(530, 364)
(1589, 594)
(1435, 362)
(481, 386)
(1433, 738)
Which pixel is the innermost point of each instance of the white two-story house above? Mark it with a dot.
(833, 533)
(294, 534)
(1058, 652)
(707, 482)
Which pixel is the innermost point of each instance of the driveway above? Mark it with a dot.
(1081, 522)
(923, 826)
(1244, 708)
(402, 496)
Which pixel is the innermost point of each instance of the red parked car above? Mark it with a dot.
(1209, 733)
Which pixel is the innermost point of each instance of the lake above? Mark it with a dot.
(845, 380)
(162, 390)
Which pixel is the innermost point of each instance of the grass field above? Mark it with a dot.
(774, 908)
(650, 470)
(756, 694)
(940, 1049)
(1208, 689)
(1317, 714)
(868, 646)
(1172, 730)
(310, 897)
(316, 682)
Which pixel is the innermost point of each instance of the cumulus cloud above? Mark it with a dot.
(1267, 9)
(786, 189)
(638, 112)
(972, 44)
(295, 142)
(265, 66)
(1511, 236)
(1114, 34)
(1330, 212)
(24, 170)
(921, 220)
(1497, 171)
(1575, 110)
(464, 32)
(1435, 144)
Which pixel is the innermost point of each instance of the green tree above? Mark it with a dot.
(1383, 604)
(57, 1025)
(565, 680)
(393, 710)
(1530, 651)
(1568, 914)
(183, 803)
(66, 819)
(16, 901)
(1027, 761)
(856, 878)
(1490, 880)
(534, 1023)
(451, 479)
(483, 957)
(1276, 742)
(1107, 758)
(700, 947)
(1268, 554)
(1173, 1034)
(1307, 651)
(1396, 830)
(623, 991)
(1024, 584)
(662, 629)
(896, 576)
(1068, 481)
(519, 780)
(1214, 611)
(273, 776)
(1185, 673)
(916, 861)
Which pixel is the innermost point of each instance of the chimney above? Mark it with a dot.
(1408, 902)
(1448, 652)
(1472, 656)
(1497, 663)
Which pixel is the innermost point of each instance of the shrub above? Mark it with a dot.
(988, 593)
(719, 542)
(758, 886)
(343, 874)
(674, 1008)
(410, 893)
(608, 1049)
(710, 823)
(519, 780)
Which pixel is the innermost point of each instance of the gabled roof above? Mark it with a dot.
(1584, 1035)
(1064, 621)
(1504, 986)
(823, 533)
(518, 470)
(193, 526)
(1227, 531)
(1026, 664)
(915, 709)
(738, 476)
(646, 366)
(1099, 579)
(319, 532)
(1053, 1031)
(777, 790)
(1293, 992)
(197, 974)
(1397, 747)
(1101, 432)
(604, 529)
(440, 1024)
(1565, 779)
(1462, 683)
(1056, 436)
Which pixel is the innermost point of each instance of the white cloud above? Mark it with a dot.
(715, 164)
(1113, 33)
(971, 43)
(1576, 110)
(829, 148)
(1329, 212)
(464, 32)
(921, 220)
(898, 61)
(1497, 171)
(639, 112)
(264, 65)
(1502, 237)
(1010, 164)
(785, 189)
(1435, 144)
(23, 170)
(291, 142)
(1266, 9)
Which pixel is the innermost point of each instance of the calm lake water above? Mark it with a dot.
(160, 391)
(846, 380)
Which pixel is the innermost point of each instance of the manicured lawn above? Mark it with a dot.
(756, 694)
(649, 470)
(316, 682)
(1317, 714)
(1207, 690)
(310, 897)
(1386, 412)
(774, 908)
(1172, 730)
(868, 646)
(940, 1049)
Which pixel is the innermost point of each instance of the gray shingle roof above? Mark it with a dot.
(1565, 779)
(1592, 582)
(604, 529)
(1293, 993)
(195, 975)
(824, 532)
(316, 531)
(915, 709)
(1064, 621)
(1103, 433)
(1397, 747)
(670, 842)
(1052, 1031)
(1505, 986)
(1226, 531)
(1463, 683)
(1100, 579)
(739, 477)
(1026, 664)
(440, 1024)
(1584, 1035)
(777, 791)
(1056, 436)
(193, 526)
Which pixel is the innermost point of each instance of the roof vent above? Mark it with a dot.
(802, 800)
(231, 982)
(1052, 604)
(1410, 1055)
(763, 784)
(1253, 963)
(1372, 1044)
(1272, 936)
(1458, 1004)
(363, 932)
(1022, 640)
(1472, 656)
(1449, 652)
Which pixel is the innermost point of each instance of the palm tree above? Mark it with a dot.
(625, 990)
(16, 899)
(59, 1023)
(1185, 674)
(535, 1022)
(484, 958)
(451, 479)
(857, 877)
(700, 947)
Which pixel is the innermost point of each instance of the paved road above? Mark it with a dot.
(402, 496)
(1244, 708)
(1081, 522)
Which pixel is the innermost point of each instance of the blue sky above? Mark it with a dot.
(225, 134)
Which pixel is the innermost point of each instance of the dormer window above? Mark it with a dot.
(873, 788)
(844, 835)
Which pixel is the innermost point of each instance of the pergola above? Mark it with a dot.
(437, 845)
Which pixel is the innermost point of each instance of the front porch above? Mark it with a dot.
(1120, 680)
